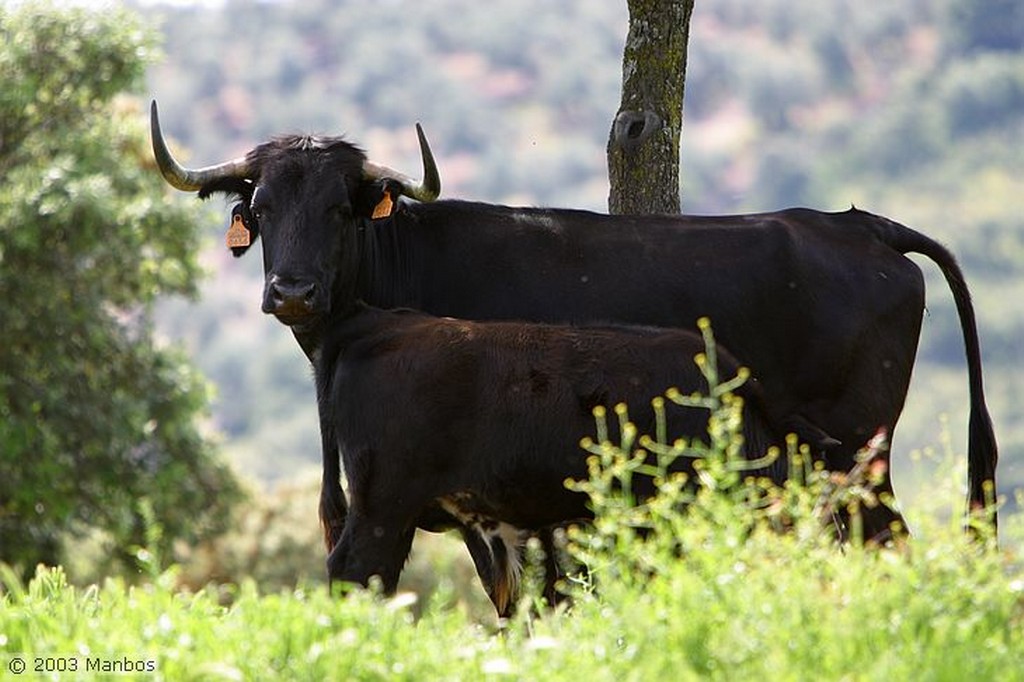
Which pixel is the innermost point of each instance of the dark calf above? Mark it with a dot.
(484, 420)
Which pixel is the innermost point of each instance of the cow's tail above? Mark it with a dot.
(982, 452)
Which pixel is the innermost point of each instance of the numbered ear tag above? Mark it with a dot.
(384, 206)
(238, 235)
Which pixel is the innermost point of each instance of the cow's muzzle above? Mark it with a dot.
(292, 302)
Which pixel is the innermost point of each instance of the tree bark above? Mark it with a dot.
(643, 146)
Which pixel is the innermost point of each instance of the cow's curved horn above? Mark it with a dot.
(189, 179)
(427, 190)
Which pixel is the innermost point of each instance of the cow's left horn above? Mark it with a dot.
(188, 179)
(427, 190)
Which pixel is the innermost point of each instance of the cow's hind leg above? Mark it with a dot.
(873, 397)
(501, 555)
(483, 560)
(507, 548)
(497, 552)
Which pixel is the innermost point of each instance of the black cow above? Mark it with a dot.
(484, 419)
(824, 307)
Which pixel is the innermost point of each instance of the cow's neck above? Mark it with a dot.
(310, 338)
(389, 265)
(356, 323)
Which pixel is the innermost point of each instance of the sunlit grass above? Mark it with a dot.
(734, 607)
(743, 581)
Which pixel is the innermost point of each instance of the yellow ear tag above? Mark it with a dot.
(384, 207)
(237, 235)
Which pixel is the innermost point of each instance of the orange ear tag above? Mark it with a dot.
(384, 207)
(237, 235)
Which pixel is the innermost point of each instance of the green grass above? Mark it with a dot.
(764, 605)
(715, 592)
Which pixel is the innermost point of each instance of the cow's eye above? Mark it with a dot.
(340, 212)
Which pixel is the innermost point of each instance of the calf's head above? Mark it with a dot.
(308, 198)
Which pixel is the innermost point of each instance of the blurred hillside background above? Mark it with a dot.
(913, 109)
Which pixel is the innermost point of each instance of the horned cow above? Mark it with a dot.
(825, 308)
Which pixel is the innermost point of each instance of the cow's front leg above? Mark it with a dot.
(333, 505)
(370, 546)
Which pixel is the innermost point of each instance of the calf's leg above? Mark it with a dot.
(370, 546)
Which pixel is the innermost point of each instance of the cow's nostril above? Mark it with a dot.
(288, 297)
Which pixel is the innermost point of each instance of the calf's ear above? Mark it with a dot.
(242, 230)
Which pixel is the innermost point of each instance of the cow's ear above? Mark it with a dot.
(378, 199)
(242, 230)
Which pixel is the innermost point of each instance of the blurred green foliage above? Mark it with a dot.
(99, 424)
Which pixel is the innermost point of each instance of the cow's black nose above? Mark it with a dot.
(291, 293)
(290, 300)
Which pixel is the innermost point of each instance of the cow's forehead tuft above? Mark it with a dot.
(286, 164)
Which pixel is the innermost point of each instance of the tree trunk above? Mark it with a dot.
(643, 147)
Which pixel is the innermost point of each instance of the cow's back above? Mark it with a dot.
(825, 312)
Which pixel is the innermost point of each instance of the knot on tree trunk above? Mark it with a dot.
(631, 128)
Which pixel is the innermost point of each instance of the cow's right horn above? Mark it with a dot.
(427, 190)
(188, 179)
